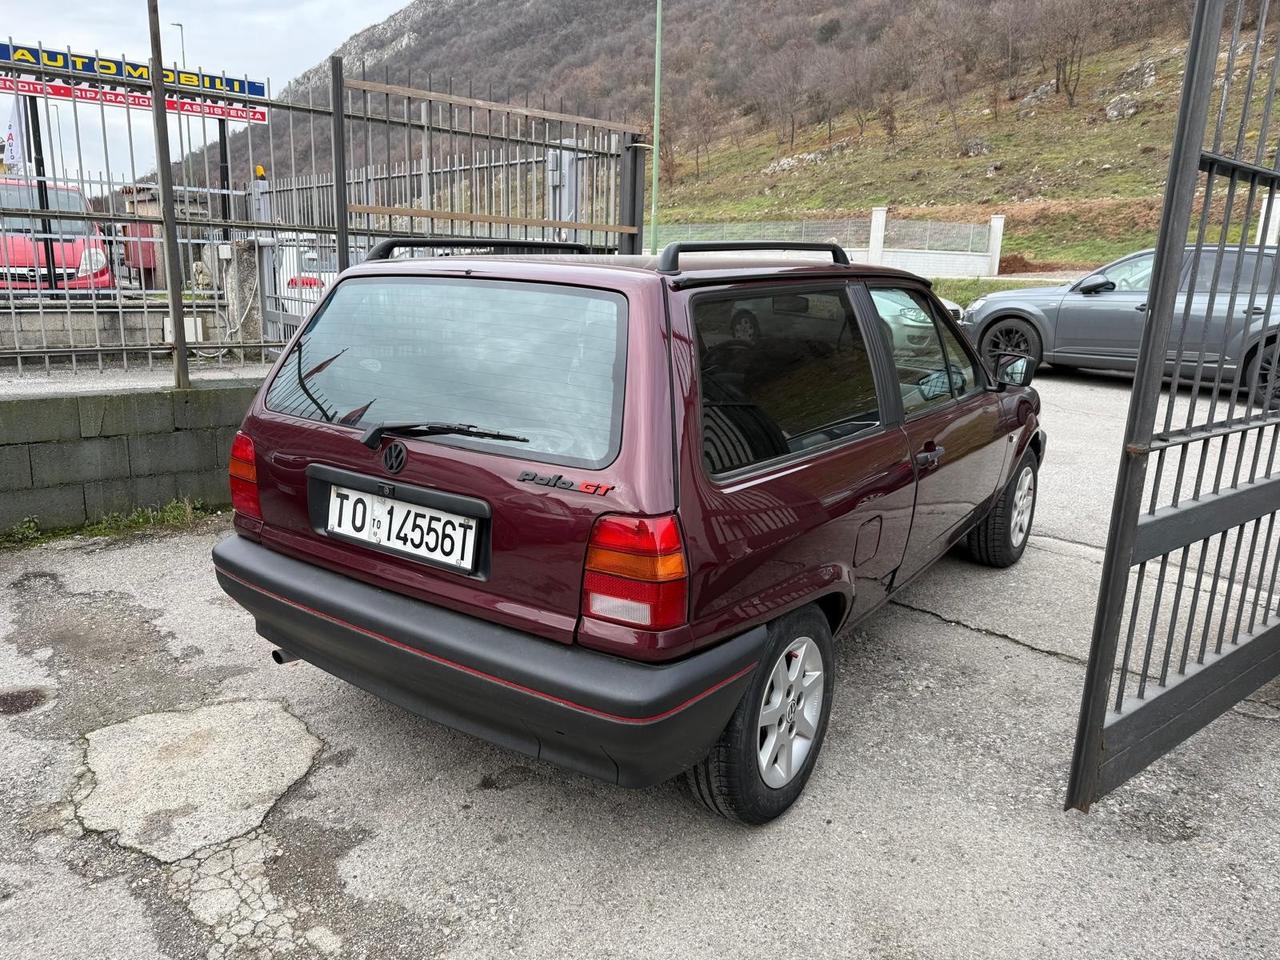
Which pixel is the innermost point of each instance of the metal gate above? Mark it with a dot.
(421, 162)
(1186, 623)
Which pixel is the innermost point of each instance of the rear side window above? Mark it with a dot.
(780, 374)
(540, 361)
(1252, 269)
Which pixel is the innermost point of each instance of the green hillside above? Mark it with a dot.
(1076, 188)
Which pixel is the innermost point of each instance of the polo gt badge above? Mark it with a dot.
(561, 483)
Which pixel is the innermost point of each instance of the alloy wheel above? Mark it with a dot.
(1266, 384)
(789, 712)
(1024, 502)
(1007, 338)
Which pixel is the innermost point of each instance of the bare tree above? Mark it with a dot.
(888, 114)
(703, 113)
(781, 81)
(941, 61)
(1007, 25)
(1065, 29)
(855, 84)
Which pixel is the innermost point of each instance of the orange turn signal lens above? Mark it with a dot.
(662, 567)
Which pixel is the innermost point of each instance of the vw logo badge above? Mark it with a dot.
(395, 457)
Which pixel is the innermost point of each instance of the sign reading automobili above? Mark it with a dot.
(106, 69)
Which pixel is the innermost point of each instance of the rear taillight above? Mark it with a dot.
(244, 478)
(636, 573)
(296, 282)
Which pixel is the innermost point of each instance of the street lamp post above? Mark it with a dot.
(182, 43)
(185, 122)
(62, 157)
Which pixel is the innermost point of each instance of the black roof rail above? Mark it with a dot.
(669, 259)
(383, 249)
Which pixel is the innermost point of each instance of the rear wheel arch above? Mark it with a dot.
(1259, 343)
(1037, 446)
(1249, 373)
(835, 607)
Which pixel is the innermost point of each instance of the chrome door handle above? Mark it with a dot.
(930, 458)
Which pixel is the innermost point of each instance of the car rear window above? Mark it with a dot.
(540, 361)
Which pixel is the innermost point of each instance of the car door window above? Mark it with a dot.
(1248, 267)
(924, 376)
(780, 374)
(960, 366)
(1131, 275)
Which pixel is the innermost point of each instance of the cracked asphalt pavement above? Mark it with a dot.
(169, 792)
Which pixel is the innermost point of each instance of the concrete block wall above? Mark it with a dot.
(66, 460)
(109, 323)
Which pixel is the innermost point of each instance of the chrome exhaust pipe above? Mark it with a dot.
(283, 656)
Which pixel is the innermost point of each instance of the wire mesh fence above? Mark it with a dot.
(849, 233)
(934, 248)
(937, 235)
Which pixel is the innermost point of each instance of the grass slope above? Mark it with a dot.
(1075, 188)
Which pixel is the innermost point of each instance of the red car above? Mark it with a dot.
(553, 502)
(80, 258)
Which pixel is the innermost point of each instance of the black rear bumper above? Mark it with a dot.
(626, 722)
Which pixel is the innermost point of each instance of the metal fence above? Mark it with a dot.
(1186, 622)
(272, 196)
(933, 248)
(937, 235)
(850, 233)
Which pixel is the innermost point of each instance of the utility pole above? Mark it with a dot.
(168, 217)
(42, 189)
(657, 123)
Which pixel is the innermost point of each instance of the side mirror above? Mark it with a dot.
(1095, 283)
(1014, 370)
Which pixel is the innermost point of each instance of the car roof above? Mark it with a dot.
(699, 268)
(31, 182)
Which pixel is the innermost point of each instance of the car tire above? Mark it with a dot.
(1001, 537)
(744, 327)
(1261, 377)
(735, 779)
(1010, 335)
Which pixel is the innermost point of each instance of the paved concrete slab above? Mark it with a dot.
(932, 827)
(171, 783)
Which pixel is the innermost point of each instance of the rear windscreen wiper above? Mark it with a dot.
(415, 428)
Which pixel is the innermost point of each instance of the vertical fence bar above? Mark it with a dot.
(338, 106)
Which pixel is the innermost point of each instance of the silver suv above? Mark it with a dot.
(1097, 322)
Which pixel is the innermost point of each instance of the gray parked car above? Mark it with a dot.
(1097, 321)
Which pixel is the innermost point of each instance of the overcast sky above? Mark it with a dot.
(258, 38)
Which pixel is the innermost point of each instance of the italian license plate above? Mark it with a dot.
(407, 528)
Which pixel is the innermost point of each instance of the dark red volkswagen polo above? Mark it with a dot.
(610, 511)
